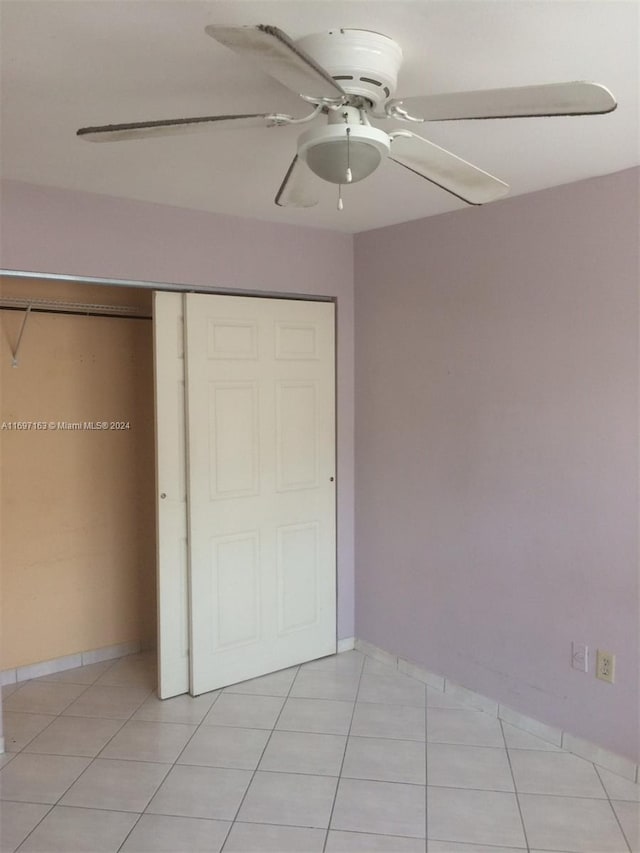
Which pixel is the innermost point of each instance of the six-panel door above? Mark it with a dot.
(260, 397)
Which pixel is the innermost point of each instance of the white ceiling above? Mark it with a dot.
(74, 63)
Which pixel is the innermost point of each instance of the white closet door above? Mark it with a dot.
(261, 468)
(171, 498)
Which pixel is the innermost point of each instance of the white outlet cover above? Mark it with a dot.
(606, 666)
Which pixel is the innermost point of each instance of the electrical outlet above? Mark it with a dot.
(606, 666)
(580, 657)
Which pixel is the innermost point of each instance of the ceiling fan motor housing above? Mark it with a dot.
(365, 64)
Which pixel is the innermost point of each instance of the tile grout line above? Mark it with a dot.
(346, 744)
(253, 774)
(54, 804)
(472, 845)
(313, 776)
(515, 787)
(615, 813)
(171, 767)
(33, 829)
(214, 820)
(124, 722)
(44, 713)
(377, 737)
(303, 826)
(60, 713)
(95, 757)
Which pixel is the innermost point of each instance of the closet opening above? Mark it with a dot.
(77, 489)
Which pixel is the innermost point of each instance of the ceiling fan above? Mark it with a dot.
(349, 76)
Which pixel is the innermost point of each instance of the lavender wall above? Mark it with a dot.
(497, 449)
(57, 231)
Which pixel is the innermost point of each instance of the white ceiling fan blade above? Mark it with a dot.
(297, 188)
(279, 57)
(444, 169)
(551, 99)
(175, 127)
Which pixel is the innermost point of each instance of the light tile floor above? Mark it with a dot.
(340, 755)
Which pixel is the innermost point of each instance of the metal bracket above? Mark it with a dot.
(14, 354)
(394, 109)
(280, 120)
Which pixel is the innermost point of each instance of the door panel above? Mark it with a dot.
(261, 439)
(171, 510)
(234, 459)
(297, 431)
(298, 570)
(236, 589)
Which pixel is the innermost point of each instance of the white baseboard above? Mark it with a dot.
(346, 645)
(564, 740)
(48, 667)
(110, 652)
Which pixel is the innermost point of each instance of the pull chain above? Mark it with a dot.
(348, 176)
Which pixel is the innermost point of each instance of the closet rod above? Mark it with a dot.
(172, 287)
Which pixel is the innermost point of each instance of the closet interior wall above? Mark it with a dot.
(77, 511)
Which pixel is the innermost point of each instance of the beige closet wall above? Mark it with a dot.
(77, 529)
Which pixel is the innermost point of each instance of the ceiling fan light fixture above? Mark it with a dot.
(329, 151)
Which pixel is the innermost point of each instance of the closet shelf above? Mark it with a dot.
(59, 306)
